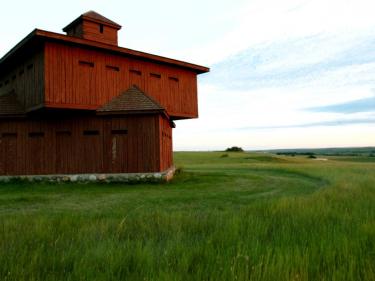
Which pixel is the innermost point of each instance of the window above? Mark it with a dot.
(136, 72)
(175, 79)
(36, 134)
(30, 66)
(120, 132)
(63, 133)
(114, 68)
(90, 132)
(101, 28)
(155, 75)
(9, 135)
(86, 63)
(21, 72)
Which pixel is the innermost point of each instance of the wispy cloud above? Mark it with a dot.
(361, 105)
(321, 59)
(332, 123)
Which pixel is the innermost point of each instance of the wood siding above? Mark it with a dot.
(85, 144)
(91, 31)
(86, 79)
(26, 80)
(166, 147)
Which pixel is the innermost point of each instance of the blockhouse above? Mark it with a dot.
(79, 103)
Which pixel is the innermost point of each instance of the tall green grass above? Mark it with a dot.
(241, 217)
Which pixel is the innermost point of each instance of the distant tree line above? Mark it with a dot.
(234, 149)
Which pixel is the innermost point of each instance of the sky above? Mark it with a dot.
(284, 74)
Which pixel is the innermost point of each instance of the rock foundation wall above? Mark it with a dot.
(104, 178)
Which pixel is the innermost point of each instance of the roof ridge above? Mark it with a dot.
(93, 16)
(147, 96)
(131, 100)
(96, 16)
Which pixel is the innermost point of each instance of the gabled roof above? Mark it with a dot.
(132, 100)
(10, 106)
(93, 16)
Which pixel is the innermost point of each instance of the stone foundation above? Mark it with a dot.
(105, 178)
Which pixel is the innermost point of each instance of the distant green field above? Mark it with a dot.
(226, 216)
(339, 151)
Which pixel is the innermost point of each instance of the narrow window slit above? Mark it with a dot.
(175, 79)
(90, 132)
(64, 133)
(86, 63)
(36, 134)
(155, 75)
(136, 72)
(114, 68)
(9, 135)
(120, 132)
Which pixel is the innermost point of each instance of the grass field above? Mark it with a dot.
(237, 217)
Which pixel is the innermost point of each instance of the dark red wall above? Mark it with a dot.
(87, 79)
(85, 144)
(26, 79)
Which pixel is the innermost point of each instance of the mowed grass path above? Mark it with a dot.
(242, 217)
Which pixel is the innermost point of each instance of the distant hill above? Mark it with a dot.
(339, 151)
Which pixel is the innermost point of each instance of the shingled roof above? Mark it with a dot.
(10, 106)
(93, 16)
(132, 100)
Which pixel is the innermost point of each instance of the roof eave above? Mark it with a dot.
(38, 33)
(23, 42)
(8, 116)
(147, 56)
(128, 112)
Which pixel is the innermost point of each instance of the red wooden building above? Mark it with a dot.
(79, 103)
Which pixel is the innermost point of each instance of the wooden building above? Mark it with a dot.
(79, 103)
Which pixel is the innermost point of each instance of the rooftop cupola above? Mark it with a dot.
(95, 27)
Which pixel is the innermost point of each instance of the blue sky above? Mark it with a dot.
(291, 73)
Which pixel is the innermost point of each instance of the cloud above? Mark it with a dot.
(267, 21)
(324, 60)
(333, 123)
(361, 105)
